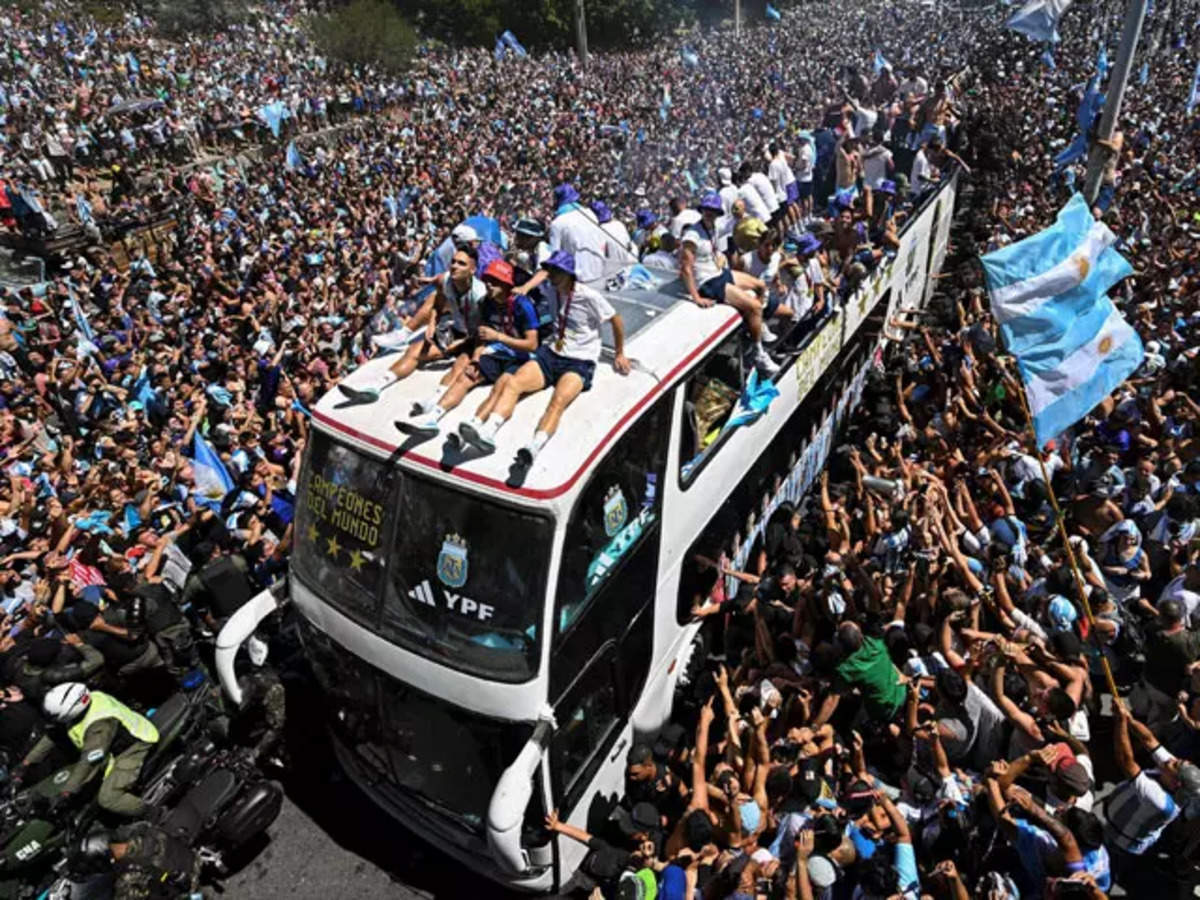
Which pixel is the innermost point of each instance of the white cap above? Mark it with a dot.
(464, 233)
(726, 175)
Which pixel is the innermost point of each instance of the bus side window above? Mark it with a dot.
(615, 514)
(586, 717)
(711, 394)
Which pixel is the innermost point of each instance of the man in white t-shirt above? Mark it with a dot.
(756, 207)
(877, 166)
(574, 230)
(728, 191)
(1185, 589)
(787, 191)
(761, 183)
(806, 160)
(709, 279)
(682, 216)
(565, 362)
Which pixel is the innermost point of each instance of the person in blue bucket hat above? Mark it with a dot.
(566, 362)
(709, 279)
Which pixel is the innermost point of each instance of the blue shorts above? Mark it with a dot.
(714, 288)
(803, 189)
(555, 367)
(793, 191)
(492, 365)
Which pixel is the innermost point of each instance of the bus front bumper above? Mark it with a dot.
(433, 828)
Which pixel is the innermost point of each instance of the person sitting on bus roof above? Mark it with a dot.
(764, 262)
(529, 249)
(709, 280)
(508, 335)
(567, 364)
(450, 316)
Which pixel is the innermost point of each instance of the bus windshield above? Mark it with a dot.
(467, 580)
(456, 578)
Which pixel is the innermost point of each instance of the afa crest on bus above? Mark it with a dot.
(452, 562)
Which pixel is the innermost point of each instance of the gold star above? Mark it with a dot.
(333, 546)
(312, 533)
(1084, 267)
(356, 560)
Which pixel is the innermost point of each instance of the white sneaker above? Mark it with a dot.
(425, 426)
(766, 366)
(393, 340)
(480, 437)
(768, 336)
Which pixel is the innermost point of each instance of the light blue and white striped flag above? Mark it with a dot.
(1072, 346)
(1194, 96)
(211, 478)
(293, 161)
(1038, 19)
(773, 14)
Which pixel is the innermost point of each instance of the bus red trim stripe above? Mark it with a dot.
(547, 493)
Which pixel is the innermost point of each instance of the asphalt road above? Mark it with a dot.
(331, 842)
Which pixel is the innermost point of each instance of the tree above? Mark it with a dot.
(365, 32)
(190, 17)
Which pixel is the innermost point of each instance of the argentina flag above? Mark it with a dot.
(1047, 291)
(1038, 19)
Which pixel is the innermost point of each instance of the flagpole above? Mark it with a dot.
(1135, 15)
(1066, 538)
(737, 16)
(581, 33)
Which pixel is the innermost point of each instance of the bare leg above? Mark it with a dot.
(568, 388)
(458, 389)
(417, 353)
(460, 365)
(526, 380)
(747, 304)
(488, 405)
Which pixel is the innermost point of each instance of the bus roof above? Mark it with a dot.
(665, 334)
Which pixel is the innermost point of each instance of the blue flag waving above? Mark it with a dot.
(273, 114)
(879, 63)
(1102, 61)
(1073, 347)
(773, 14)
(691, 58)
(1048, 60)
(1144, 73)
(513, 44)
(293, 161)
(1194, 96)
(209, 473)
(1038, 19)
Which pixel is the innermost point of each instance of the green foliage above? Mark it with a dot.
(106, 12)
(180, 18)
(365, 32)
(550, 24)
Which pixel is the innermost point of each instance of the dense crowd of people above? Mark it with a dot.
(907, 695)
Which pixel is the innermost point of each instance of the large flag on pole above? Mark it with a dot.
(879, 63)
(773, 14)
(1073, 347)
(1038, 19)
(1194, 96)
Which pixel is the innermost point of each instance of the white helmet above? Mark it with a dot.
(66, 702)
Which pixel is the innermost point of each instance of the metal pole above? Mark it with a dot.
(1135, 14)
(581, 33)
(737, 16)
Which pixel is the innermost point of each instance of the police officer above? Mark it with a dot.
(219, 588)
(106, 732)
(148, 862)
(43, 662)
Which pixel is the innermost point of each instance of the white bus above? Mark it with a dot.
(491, 641)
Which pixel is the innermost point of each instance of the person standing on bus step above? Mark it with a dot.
(103, 729)
(505, 340)
(567, 363)
(708, 278)
(450, 316)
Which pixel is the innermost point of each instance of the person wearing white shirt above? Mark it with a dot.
(806, 159)
(682, 216)
(749, 195)
(728, 191)
(566, 362)
(574, 230)
(709, 279)
(787, 191)
(763, 262)
(877, 165)
(761, 183)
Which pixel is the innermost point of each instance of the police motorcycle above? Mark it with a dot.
(208, 799)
